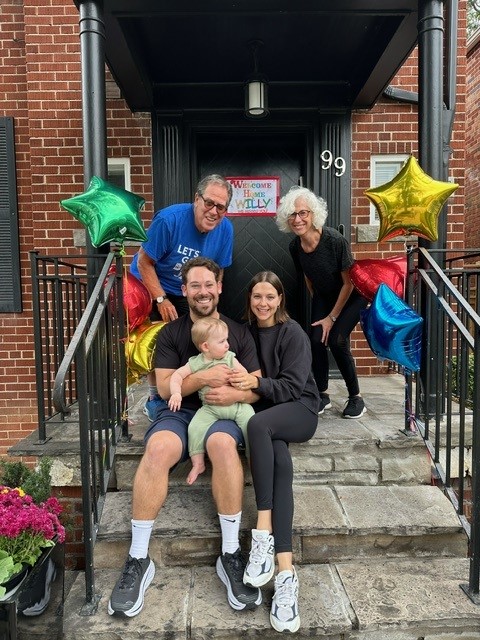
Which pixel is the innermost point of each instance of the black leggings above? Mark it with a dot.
(269, 433)
(338, 341)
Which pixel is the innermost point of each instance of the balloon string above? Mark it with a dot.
(125, 294)
(125, 285)
(411, 419)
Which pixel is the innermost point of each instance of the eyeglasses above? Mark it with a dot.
(301, 214)
(221, 208)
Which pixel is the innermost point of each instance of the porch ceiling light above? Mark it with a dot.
(256, 88)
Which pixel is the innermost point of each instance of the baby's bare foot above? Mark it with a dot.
(196, 470)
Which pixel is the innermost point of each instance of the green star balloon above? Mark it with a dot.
(410, 203)
(109, 213)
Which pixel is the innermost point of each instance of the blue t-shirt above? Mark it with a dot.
(173, 238)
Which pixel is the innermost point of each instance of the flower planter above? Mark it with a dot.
(36, 602)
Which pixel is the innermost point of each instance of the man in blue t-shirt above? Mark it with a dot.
(177, 234)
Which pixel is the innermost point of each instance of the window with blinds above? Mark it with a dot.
(10, 286)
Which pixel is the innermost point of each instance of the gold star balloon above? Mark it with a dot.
(110, 214)
(140, 348)
(410, 203)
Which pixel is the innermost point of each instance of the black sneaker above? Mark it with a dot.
(127, 594)
(324, 403)
(230, 569)
(355, 407)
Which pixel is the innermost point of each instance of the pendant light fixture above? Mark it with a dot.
(256, 88)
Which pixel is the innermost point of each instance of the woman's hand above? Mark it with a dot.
(243, 380)
(326, 324)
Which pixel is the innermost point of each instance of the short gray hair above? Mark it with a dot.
(215, 178)
(317, 206)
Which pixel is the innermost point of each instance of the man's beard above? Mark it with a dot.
(200, 309)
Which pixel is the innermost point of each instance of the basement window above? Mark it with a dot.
(119, 172)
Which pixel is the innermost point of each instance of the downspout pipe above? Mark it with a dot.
(92, 48)
(450, 81)
(430, 133)
(430, 103)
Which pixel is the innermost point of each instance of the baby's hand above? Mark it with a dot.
(175, 402)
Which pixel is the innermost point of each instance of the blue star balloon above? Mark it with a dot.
(110, 214)
(393, 329)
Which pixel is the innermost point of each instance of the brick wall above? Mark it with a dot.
(472, 165)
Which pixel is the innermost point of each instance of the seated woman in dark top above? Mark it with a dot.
(287, 411)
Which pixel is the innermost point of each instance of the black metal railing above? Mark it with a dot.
(443, 398)
(80, 343)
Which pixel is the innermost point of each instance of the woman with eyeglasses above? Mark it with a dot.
(324, 257)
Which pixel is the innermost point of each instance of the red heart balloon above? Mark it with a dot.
(368, 274)
(137, 301)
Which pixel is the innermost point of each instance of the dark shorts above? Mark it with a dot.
(178, 421)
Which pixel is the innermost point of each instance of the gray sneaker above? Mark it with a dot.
(284, 614)
(261, 563)
(127, 595)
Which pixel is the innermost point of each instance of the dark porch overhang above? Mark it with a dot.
(185, 55)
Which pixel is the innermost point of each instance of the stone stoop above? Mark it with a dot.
(380, 551)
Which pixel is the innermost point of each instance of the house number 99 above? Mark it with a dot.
(338, 163)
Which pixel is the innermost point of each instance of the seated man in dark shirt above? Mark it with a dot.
(166, 445)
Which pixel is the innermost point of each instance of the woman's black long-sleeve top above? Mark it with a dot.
(285, 359)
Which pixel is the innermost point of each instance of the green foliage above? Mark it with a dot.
(473, 17)
(36, 482)
(8, 568)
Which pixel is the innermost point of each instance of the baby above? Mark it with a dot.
(210, 336)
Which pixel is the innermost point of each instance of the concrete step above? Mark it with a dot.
(370, 451)
(331, 523)
(374, 599)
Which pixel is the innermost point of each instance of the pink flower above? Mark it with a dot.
(27, 528)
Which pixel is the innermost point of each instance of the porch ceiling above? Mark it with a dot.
(175, 55)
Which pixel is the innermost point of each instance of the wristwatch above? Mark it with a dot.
(332, 318)
(160, 299)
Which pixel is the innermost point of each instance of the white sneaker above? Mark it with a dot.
(261, 564)
(284, 614)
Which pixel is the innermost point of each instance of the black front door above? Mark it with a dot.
(258, 243)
